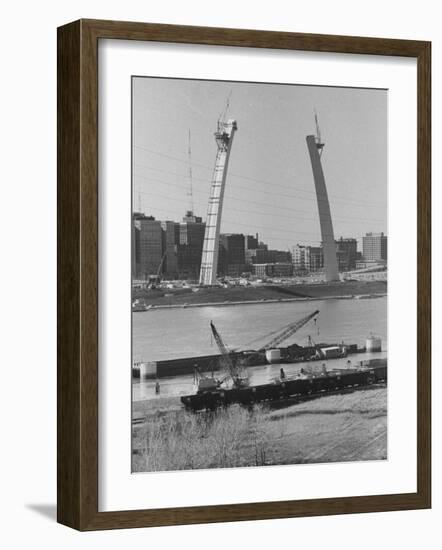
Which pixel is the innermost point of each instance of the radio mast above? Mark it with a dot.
(190, 191)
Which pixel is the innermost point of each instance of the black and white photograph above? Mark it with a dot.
(223, 225)
(259, 261)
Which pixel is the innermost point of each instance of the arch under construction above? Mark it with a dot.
(209, 261)
(315, 148)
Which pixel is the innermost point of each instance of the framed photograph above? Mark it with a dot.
(243, 275)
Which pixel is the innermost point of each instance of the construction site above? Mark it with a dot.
(253, 396)
(192, 262)
(262, 403)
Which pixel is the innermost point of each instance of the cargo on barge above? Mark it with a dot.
(305, 384)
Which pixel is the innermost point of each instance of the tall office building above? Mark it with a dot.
(167, 248)
(135, 252)
(190, 246)
(300, 258)
(147, 245)
(232, 256)
(374, 247)
(170, 249)
(307, 258)
(251, 242)
(346, 250)
(252, 245)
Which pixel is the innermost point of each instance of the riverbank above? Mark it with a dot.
(267, 301)
(344, 427)
(159, 299)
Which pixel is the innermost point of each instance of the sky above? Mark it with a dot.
(269, 188)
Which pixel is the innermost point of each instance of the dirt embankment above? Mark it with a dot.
(157, 297)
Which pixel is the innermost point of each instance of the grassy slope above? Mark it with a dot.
(335, 428)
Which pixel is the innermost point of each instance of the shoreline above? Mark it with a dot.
(266, 301)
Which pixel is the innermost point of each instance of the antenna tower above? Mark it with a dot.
(190, 192)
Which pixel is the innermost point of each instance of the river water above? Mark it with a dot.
(185, 332)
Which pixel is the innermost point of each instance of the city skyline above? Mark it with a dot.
(174, 249)
(269, 188)
(358, 238)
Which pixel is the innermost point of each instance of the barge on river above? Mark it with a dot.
(250, 358)
(306, 384)
(270, 351)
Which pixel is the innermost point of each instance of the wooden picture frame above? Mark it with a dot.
(78, 274)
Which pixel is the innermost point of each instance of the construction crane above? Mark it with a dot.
(319, 143)
(238, 375)
(223, 115)
(153, 281)
(312, 344)
(288, 331)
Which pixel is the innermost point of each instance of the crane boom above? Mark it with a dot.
(289, 330)
(227, 360)
(238, 377)
(160, 266)
(223, 115)
(190, 193)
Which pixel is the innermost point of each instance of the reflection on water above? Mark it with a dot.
(168, 334)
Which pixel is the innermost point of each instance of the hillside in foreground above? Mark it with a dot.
(335, 428)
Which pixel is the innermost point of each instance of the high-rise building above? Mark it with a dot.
(307, 258)
(374, 247)
(300, 258)
(147, 245)
(170, 249)
(232, 257)
(135, 252)
(190, 246)
(252, 244)
(346, 250)
(316, 258)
